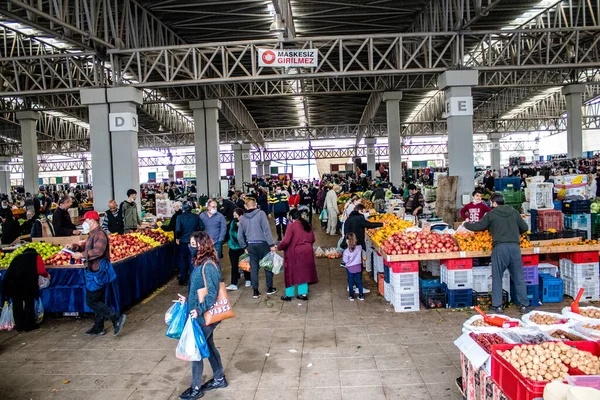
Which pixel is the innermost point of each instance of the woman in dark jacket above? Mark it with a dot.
(299, 268)
(11, 229)
(206, 261)
(236, 251)
(173, 221)
(20, 284)
(357, 223)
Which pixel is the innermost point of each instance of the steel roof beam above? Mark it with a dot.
(449, 15)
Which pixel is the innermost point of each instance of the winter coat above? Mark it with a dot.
(299, 260)
(331, 201)
(356, 223)
(131, 216)
(504, 223)
(321, 199)
(187, 224)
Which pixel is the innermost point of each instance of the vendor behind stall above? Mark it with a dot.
(62, 220)
(416, 201)
(11, 229)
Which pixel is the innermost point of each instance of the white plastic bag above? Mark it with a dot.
(187, 349)
(527, 319)
(578, 317)
(583, 327)
(172, 310)
(277, 264)
(469, 327)
(7, 321)
(39, 311)
(43, 282)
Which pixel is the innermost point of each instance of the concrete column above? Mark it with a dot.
(266, 168)
(370, 142)
(459, 111)
(259, 169)
(494, 139)
(100, 144)
(4, 175)
(574, 98)
(243, 171)
(206, 139)
(123, 103)
(392, 105)
(171, 169)
(28, 121)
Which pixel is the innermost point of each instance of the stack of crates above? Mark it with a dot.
(581, 222)
(512, 183)
(572, 207)
(581, 270)
(430, 291)
(514, 198)
(457, 282)
(595, 225)
(531, 275)
(543, 220)
(551, 288)
(404, 285)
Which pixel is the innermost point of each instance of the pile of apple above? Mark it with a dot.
(60, 259)
(122, 246)
(45, 250)
(418, 243)
(154, 234)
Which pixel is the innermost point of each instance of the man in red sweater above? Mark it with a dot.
(294, 199)
(476, 209)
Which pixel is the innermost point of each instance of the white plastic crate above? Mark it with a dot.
(540, 196)
(579, 272)
(406, 302)
(457, 278)
(579, 221)
(369, 262)
(388, 291)
(407, 282)
(544, 268)
(591, 289)
(377, 262)
(433, 266)
(482, 279)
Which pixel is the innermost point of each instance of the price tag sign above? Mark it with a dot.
(536, 250)
(463, 254)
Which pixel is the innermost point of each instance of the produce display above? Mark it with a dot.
(418, 243)
(526, 336)
(546, 319)
(592, 326)
(565, 336)
(524, 242)
(487, 340)
(46, 250)
(369, 205)
(392, 224)
(481, 323)
(590, 312)
(540, 362)
(476, 241)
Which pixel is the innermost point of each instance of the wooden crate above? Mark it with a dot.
(62, 241)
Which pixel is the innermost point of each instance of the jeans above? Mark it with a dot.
(96, 301)
(257, 251)
(508, 256)
(280, 224)
(332, 221)
(219, 249)
(234, 257)
(302, 289)
(214, 359)
(24, 313)
(354, 279)
(185, 261)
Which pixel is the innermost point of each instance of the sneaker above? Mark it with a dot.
(248, 284)
(256, 294)
(191, 394)
(213, 384)
(118, 324)
(524, 309)
(302, 297)
(361, 298)
(365, 290)
(496, 310)
(232, 287)
(94, 332)
(271, 290)
(351, 298)
(286, 298)
(343, 264)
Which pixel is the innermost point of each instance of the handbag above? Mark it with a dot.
(96, 280)
(221, 310)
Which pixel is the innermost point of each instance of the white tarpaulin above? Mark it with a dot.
(307, 58)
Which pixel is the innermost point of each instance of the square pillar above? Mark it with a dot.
(123, 121)
(392, 106)
(494, 139)
(574, 99)
(4, 175)
(266, 168)
(100, 145)
(370, 142)
(459, 112)
(243, 171)
(28, 121)
(206, 139)
(171, 169)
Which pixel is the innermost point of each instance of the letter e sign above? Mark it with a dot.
(120, 122)
(459, 106)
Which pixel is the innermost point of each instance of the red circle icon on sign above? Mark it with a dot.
(268, 57)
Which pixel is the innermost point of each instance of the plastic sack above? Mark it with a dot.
(192, 344)
(469, 327)
(172, 310)
(244, 263)
(319, 252)
(324, 217)
(588, 329)
(272, 262)
(43, 282)
(578, 317)
(527, 319)
(7, 321)
(177, 324)
(39, 311)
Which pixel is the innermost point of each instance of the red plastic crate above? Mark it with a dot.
(380, 283)
(550, 219)
(583, 257)
(514, 385)
(530, 260)
(401, 267)
(459, 263)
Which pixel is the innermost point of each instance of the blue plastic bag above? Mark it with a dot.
(172, 310)
(177, 324)
(192, 344)
(39, 311)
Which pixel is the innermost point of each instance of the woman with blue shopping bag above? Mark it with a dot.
(206, 279)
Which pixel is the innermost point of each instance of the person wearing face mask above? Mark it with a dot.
(61, 220)
(113, 220)
(11, 229)
(236, 251)
(215, 225)
(6, 209)
(294, 199)
(307, 200)
(129, 211)
(187, 224)
(332, 210)
(476, 209)
(279, 206)
(96, 252)
(357, 223)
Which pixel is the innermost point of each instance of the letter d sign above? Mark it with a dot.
(120, 122)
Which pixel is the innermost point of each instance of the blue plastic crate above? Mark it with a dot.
(429, 285)
(557, 205)
(533, 294)
(502, 184)
(386, 274)
(551, 289)
(458, 298)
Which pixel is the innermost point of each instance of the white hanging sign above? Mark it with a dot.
(304, 58)
(120, 122)
(458, 106)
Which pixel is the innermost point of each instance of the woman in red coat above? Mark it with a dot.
(299, 268)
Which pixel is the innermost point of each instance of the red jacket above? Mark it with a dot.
(474, 212)
(294, 200)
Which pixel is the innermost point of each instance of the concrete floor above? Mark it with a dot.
(326, 348)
